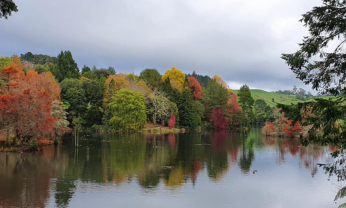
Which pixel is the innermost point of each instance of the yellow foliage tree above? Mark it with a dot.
(176, 78)
(113, 84)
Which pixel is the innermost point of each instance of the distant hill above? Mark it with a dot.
(269, 96)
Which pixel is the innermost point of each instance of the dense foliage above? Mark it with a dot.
(100, 98)
(128, 110)
(318, 63)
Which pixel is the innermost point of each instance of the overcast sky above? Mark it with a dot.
(242, 41)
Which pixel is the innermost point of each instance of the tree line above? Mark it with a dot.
(41, 96)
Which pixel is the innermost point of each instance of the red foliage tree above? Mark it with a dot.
(219, 120)
(171, 122)
(291, 131)
(26, 110)
(195, 88)
(268, 128)
(233, 102)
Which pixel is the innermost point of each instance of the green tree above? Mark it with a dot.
(73, 93)
(262, 110)
(215, 96)
(85, 69)
(93, 116)
(41, 68)
(93, 92)
(103, 73)
(66, 67)
(152, 77)
(7, 7)
(246, 102)
(4, 61)
(188, 114)
(128, 110)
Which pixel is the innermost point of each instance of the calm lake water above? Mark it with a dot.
(181, 170)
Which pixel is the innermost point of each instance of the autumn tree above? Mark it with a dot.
(218, 118)
(268, 129)
(27, 109)
(176, 77)
(195, 88)
(128, 110)
(202, 79)
(113, 84)
(233, 102)
(171, 122)
(288, 127)
(234, 115)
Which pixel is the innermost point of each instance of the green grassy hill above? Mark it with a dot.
(268, 97)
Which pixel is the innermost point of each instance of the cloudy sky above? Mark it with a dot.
(242, 41)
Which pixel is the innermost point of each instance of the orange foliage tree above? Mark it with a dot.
(176, 78)
(233, 102)
(195, 88)
(113, 84)
(288, 128)
(268, 128)
(26, 110)
(25, 105)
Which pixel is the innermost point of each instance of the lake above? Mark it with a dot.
(176, 170)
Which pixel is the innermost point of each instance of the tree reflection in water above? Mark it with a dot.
(150, 160)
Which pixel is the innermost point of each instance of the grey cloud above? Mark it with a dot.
(240, 41)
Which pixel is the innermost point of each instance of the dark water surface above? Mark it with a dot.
(190, 170)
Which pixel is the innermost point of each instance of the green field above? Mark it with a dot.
(268, 97)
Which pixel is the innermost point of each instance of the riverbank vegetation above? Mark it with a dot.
(55, 92)
(42, 97)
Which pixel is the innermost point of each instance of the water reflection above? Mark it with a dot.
(26, 180)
